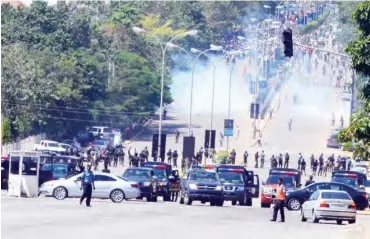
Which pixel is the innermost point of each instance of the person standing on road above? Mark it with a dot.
(169, 155)
(259, 138)
(177, 136)
(286, 160)
(175, 155)
(280, 201)
(245, 156)
(105, 169)
(280, 160)
(309, 181)
(87, 184)
(256, 159)
(262, 159)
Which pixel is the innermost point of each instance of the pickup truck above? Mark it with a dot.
(201, 185)
(48, 145)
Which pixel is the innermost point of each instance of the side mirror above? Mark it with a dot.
(263, 183)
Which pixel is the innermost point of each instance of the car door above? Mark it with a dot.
(103, 185)
(256, 186)
(74, 186)
(310, 203)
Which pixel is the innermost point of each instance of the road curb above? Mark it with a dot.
(366, 212)
(146, 124)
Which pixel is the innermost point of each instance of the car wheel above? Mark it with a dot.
(212, 203)
(181, 198)
(117, 195)
(294, 204)
(303, 219)
(219, 203)
(187, 200)
(339, 222)
(166, 198)
(314, 218)
(249, 202)
(60, 193)
(352, 221)
(265, 205)
(154, 198)
(233, 203)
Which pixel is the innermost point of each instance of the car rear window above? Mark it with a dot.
(335, 195)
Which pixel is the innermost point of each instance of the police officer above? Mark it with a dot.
(280, 159)
(303, 166)
(245, 156)
(105, 169)
(87, 184)
(314, 166)
(169, 155)
(309, 181)
(175, 155)
(280, 201)
(256, 159)
(286, 160)
(262, 159)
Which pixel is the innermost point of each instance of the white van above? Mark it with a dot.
(100, 131)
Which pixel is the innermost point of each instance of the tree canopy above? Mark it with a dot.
(359, 129)
(71, 65)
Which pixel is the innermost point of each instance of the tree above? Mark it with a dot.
(359, 128)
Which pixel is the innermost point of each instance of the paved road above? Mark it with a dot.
(49, 218)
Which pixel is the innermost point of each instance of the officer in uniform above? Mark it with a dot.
(87, 183)
(280, 201)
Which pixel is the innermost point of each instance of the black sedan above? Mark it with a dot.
(148, 183)
(294, 200)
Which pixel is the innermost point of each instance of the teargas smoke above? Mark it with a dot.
(202, 88)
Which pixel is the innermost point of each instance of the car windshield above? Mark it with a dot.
(349, 181)
(107, 130)
(136, 173)
(53, 145)
(160, 173)
(203, 176)
(335, 195)
(231, 177)
(94, 129)
(57, 169)
(287, 181)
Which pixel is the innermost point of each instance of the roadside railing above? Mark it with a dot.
(24, 144)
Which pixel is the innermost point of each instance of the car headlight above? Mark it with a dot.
(267, 190)
(193, 186)
(218, 188)
(163, 184)
(146, 184)
(47, 185)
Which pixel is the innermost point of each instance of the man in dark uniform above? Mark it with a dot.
(175, 155)
(309, 181)
(286, 161)
(245, 156)
(87, 184)
(280, 160)
(169, 155)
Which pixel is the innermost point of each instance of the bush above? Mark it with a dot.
(314, 24)
(6, 131)
(220, 155)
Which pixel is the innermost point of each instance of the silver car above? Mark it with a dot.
(329, 205)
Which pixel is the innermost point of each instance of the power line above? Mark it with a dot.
(38, 106)
(79, 112)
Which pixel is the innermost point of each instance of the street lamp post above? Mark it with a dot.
(138, 30)
(200, 53)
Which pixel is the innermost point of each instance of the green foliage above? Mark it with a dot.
(359, 129)
(311, 26)
(6, 131)
(221, 155)
(71, 65)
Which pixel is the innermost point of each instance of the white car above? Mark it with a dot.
(329, 205)
(49, 145)
(359, 169)
(107, 186)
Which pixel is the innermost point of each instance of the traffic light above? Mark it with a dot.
(255, 111)
(288, 42)
(210, 134)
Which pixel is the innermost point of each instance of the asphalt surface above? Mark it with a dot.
(49, 218)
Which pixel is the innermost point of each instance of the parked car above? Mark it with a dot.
(332, 141)
(329, 205)
(49, 145)
(100, 131)
(295, 199)
(107, 186)
(148, 183)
